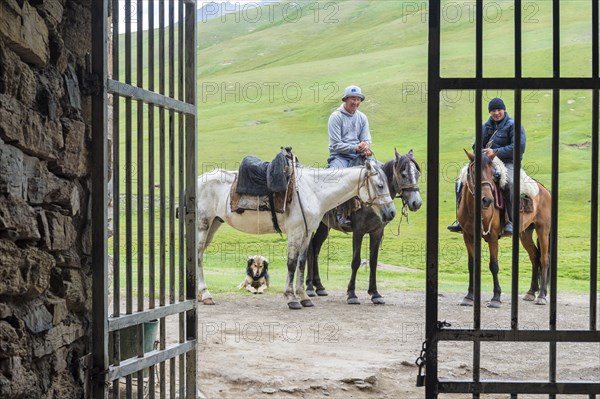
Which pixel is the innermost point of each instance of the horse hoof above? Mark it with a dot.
(494, 304)
(311, 293)
(378, 301)
(528, 297)
(307, 303)
(294, 305)
(322, 292)
(352, 301)
(466, 302)
(208, 301)
(540, 301)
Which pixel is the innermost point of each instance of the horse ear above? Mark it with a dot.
(368, 165)
(469, 155)
(396, 153)
(411, 154)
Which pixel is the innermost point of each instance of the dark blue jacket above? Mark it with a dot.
(503, 141)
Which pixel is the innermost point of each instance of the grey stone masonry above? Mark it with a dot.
(45, 274)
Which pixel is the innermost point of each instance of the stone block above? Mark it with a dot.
(75, 156)
(5, 311)
(45, 242)
(52, 11)
(16, 78)
(34, 314)
(27, 130)
(78, 19)
(22, 381)
(25, 272)
(59, 363)
(11, 170)
(12, 342)
(75, 290)
(62, 231)
(43, 187)
(57, 337)
(58, 308)
(17, 215)
(24, 31)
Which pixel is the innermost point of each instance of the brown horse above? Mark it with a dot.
(492, 223)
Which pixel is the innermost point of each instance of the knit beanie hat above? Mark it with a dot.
(496, 103)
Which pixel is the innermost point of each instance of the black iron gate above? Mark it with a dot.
(437, 331)
(144, 159)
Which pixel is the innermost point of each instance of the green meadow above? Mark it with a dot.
(270, 77)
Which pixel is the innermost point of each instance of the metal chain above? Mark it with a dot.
(420, 362)
(422, 359)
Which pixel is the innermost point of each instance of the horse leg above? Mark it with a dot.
(544, 260)
(300, 292)
(310, 268)
(495, 302)
(313, 278)
(206, 232)
(356, 244)
(297, 247)
(468, 299)
(527, 242)
(375, 242)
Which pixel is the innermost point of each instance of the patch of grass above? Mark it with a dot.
(273, 82)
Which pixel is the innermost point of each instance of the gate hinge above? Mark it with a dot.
(91, 83)
(99, 376)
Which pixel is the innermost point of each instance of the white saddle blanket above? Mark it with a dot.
(529, 186)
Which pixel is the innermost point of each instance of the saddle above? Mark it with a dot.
(264, 186)
(354, 203)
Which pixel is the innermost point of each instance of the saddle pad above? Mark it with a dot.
(529, 186)
(244, 202)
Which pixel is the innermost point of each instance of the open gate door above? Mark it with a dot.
(144, 169)
(438, 331)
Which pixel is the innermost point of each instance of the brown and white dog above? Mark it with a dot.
(257, 275)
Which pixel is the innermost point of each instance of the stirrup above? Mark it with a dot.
(455, 228)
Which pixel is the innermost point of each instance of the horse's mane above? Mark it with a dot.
(486, 161)
(388, 168)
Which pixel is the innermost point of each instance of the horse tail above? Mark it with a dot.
(273, 214)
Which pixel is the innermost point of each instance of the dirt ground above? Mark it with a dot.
(252, 346)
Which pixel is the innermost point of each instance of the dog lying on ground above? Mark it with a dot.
(257, 275)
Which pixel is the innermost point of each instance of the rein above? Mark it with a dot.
(400, 188)
(470, 184)
(373, 199)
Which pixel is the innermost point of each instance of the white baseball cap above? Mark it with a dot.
(353, 91)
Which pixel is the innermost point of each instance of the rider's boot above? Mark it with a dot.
(508, 227)
(343, 220)
(455, 227)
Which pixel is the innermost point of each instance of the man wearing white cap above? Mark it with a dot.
(349, 134)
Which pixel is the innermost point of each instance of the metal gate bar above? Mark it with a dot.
(435, 330)
(137, 190)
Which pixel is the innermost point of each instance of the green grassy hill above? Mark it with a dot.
(270, 77)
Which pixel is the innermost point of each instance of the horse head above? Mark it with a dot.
(373, 191)
(488, 187)
(406, 173)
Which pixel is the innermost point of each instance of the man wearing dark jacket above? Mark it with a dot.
(498, 138)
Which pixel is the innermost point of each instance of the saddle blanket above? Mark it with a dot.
(243, 202)
(529, 186)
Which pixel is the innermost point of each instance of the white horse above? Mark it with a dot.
(318, 190)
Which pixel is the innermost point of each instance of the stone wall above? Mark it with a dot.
(45, 275)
